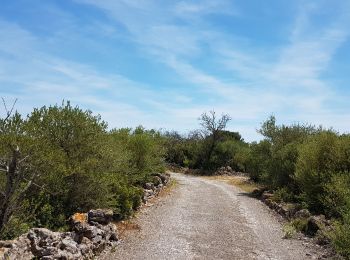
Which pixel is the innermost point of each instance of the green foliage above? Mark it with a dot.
(146, 150)
(300, 224)
(207, 152)
(318, 161)
(77, 165)
(289, 231)
(284, 141)
(299, 162)
(137, 153)
(14, 228)
(258, 160)
(336, 199)
(308, 165)
(283, 195)
(294, 226)
(175, 148)
(225, 153)
(124, 197)
(340, 236)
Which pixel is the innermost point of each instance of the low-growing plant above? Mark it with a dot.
(300, 224)
(340, 236)
(283, 195)
(289, 231)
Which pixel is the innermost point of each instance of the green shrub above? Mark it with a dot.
(340, 236)
(336, 198)
(283, 195)
(289, 231)
(14, 228)
(78, 165)
(317, 163)
(300, 224)
(259, 160)
(124, 197)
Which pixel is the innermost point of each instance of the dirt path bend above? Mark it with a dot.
(207, 219)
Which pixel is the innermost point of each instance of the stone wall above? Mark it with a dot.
(90, 233)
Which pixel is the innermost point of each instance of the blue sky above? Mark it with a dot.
(162, 63)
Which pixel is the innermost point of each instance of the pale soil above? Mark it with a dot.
(209, 219)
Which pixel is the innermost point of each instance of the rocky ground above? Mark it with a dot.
(209, 219)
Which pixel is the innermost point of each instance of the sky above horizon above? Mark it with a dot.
(161, 64)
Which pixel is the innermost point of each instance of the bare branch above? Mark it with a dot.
(211, 124)
(22, 160)
(8, 112)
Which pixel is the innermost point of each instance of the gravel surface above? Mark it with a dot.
(207, 219)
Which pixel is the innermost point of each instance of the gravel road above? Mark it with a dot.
(208, 219)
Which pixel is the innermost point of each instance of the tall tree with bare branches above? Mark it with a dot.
(13, 165)
(211, 127)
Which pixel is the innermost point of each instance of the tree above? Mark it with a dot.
(15, 182)
(76, 157)
(211, 128)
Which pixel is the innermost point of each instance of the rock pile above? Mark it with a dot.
(90, 233)
(316, 226)
(287, 210)
(152, 189)
(227, 170)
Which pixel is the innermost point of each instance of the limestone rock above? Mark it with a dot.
(315, 223)
(149, 186)
(47, 244)
(88, 237)
(164, 177)
(102, 216)
(157, 180)
(303, 213)
(266, 195)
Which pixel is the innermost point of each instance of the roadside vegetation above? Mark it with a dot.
(242, 182)
(300, 163)
(61, 159)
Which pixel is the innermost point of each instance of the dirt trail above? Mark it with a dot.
(207, 219)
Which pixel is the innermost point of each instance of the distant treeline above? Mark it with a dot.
(299, 162)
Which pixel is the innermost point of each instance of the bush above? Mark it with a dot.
(259, 160)
(14, 228)
(318, 161)
(125, 198)
(299, 224)
(336, 198)
(77, 164)
(340, 236)
(289, 231)
(283, 195)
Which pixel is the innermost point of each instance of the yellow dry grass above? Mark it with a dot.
(79, 217)
(241, 182)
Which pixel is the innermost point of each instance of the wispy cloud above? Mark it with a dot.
(209, 67)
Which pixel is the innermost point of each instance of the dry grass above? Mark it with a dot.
(165, 191)
(126, 225)
(239, 181)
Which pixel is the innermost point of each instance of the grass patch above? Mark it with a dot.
(172, 184)
(167, 189)
(289, 231)
(126, 225)
(244, 183)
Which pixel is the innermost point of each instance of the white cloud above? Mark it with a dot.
(286, 80)
(193, 8)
